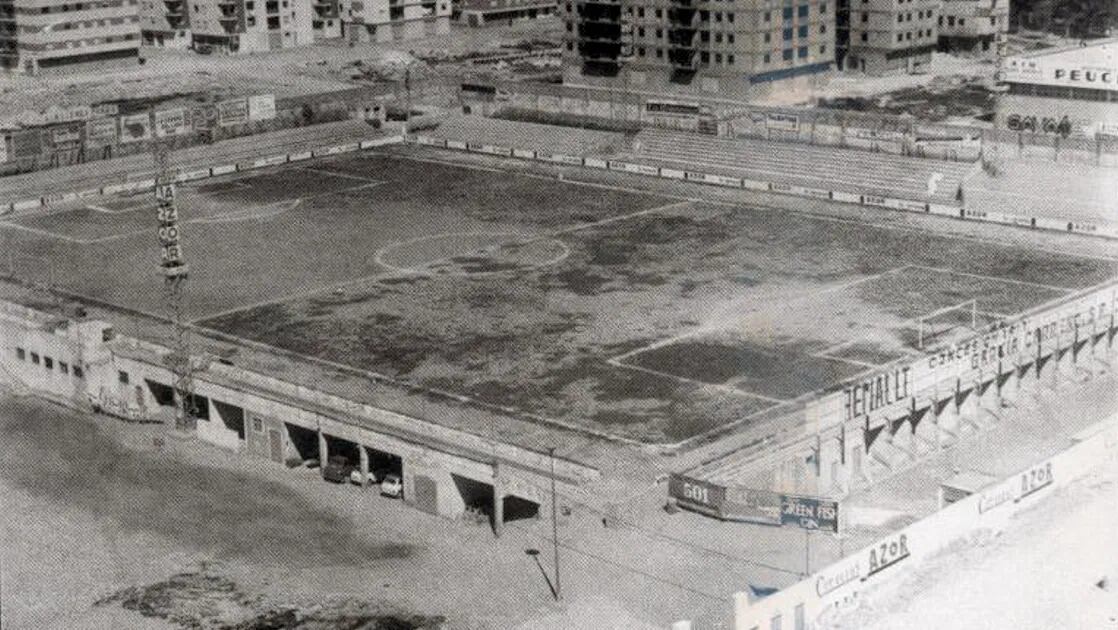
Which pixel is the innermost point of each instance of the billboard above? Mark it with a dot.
(262, 107)
(66, 135)
(203, 117)
(809, 513)
(234, 112)
(170, 122)
(782, 122)
(100, 131)
(135, 127)
(1085, 67)
(697, 494)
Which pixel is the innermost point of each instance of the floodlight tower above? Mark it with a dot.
(175, 272)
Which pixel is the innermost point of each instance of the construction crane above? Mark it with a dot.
(175, 272)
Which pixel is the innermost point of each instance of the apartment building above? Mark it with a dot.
(718, 47)
(394, 20)
(974, 26)
(234, 26)
(44, 35)
(482, 12)
(889, 35)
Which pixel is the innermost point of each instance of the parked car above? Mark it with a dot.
(392, 486)
(355, 477)
(311, 463)
(337, 469)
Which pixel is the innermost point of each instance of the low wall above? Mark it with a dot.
(814, 601)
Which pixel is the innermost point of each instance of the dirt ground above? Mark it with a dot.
(307, 69)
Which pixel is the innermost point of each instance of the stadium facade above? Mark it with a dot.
(40, 35)
(1065, 92)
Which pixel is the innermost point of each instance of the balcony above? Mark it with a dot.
(682, 37)
(599, 31)
(683, 59)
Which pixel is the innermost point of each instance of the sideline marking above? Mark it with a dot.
(723, 387)
(995, 278)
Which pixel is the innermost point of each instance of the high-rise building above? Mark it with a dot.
(40, 35)
(718, 47)
(889, 35)
(394, 20)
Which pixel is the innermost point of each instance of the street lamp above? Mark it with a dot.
(555, 524)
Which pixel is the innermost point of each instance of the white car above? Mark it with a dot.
(392, 486)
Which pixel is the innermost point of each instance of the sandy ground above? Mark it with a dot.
(1044, 573)
(303, 70)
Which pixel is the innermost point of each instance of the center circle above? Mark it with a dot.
(472, 253)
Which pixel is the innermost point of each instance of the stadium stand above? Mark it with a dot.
(524, 135)
(140, 166)
(846, 170)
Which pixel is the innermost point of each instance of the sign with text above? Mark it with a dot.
(262, 107)
(170, 122)
(696, 493)
(233, 112)
(809, 513)
(100, 131)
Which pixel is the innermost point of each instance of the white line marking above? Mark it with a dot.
(994, 278)
(722, 387)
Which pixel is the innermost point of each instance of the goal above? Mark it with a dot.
(946, 321)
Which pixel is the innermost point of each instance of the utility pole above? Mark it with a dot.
(555, 524)
(175, 272)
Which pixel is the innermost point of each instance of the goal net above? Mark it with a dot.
(947, 322)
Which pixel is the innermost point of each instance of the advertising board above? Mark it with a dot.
(809, 513)
(262, 107)
(135, 127)
(697, 494)
(171, 122)
(782, 122)
(100, 131)
(232, 112)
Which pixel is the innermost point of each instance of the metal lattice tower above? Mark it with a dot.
(175, 272)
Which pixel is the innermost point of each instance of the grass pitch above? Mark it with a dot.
(647, 317)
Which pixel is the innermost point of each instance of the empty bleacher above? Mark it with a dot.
(524, 135)
(829, 168)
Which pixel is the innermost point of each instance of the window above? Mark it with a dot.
(787, 14)
(962, 21)
(659, 13)
(802, 11)
(908, 36)
(21, 354)
(900, 18)
(704, 16)
(951, 20)
(717, 16)
(822, 28)
(258, 425)
(48, 363)
(77, 372)
(704, 36)
(941, 20)
(768, 37)
(35, 358)
(823, 50)
(787, 34)
(768, 58)
(659, 53)
(865, 17)
(822, 7)
(718, 38)
(900, 37)
(570, 46)
(729, 60)
(730, 37)
(730, 18)
(865, 37)
(802, 31)
(640, 32)
(63, 367)
(718, 58)
(802, 52)
(122, 377)
(659, 33)
(704, 57)
(787, 54)
(640, 51)
(768, 16)
(640, 12)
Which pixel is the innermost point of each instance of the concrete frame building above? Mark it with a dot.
(37, 35)
(718, 47)
(235, 26)
(976, 26)
(890, 35)
(482, 12)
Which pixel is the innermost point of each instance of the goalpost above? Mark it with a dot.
(938, 323)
